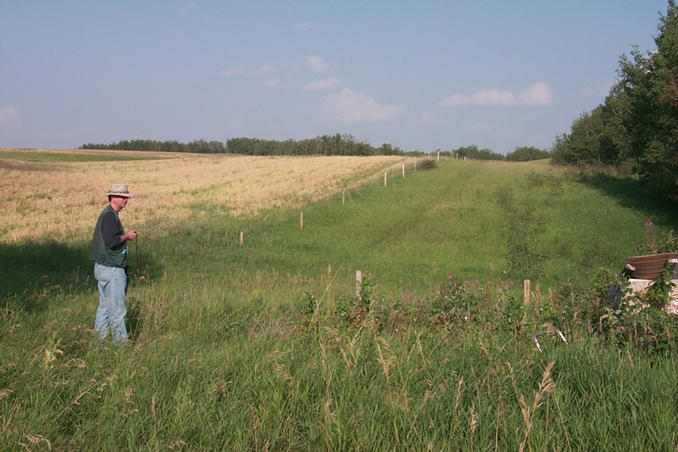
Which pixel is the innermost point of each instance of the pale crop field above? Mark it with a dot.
(60, 199)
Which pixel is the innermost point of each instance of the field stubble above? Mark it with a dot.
(60, 199)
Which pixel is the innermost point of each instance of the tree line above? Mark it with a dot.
(519, 154)
(637, 124)
(323, 145)
(197, 146)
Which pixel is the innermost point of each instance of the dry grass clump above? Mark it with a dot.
(62, 199)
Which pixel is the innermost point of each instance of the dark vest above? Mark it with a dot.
(99, 252)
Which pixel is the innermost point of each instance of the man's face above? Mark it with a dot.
(118, 203)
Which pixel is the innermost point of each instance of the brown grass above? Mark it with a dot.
(62, 200)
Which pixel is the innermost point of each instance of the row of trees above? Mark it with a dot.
(519, 154)
(638, 122)
(323, 145)
(197, 146)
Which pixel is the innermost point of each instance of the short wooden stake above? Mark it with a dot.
(526, 292)
(438, 155)
(301, 221)
(358, 282)
(385, 176)
(403, 169)
(343, 197)
(329, 270)
(241, 238)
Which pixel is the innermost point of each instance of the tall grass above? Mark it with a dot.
(267, 347)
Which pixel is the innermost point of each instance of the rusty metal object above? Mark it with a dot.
(649, 266)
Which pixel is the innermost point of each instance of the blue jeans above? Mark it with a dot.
(112, 282)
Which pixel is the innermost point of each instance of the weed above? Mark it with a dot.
(453, 303)
(513, 311)
(428, 164)
(659, 293)
(307, 303)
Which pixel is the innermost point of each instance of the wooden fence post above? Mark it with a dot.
(385, 176)
(241, 238)
(526, 292)
(301, 221)
(403, 169)
(438, 155)
(343, 197)
(358, 282)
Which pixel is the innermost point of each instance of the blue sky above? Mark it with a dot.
(420, 75)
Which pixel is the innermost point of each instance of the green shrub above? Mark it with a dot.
(428, 164)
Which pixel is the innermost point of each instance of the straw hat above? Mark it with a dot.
(119, 190)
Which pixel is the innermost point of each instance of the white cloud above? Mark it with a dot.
(303, 26)
(482, 97)
(249, 72)
(187, 7)
(272, 82)
(9, 117)
(322, 85)
(349, 106)
(317, 64)
(537, 95)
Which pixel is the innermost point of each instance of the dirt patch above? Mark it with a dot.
(4, 164)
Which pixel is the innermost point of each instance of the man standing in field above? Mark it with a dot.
(109, 253)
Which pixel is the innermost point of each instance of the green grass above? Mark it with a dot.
(472, 220)
(240, 348)
(69, 157)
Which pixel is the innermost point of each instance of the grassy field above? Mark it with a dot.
(266, 346)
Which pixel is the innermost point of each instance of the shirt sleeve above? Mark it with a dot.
(110, 230)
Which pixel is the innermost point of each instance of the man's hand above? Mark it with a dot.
(131, 235)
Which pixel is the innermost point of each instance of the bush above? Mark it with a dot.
(428, 164)
(527, 153)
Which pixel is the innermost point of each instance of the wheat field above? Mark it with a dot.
(60, 199)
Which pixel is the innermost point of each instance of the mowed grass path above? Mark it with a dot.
(473, 220)
(237, 348)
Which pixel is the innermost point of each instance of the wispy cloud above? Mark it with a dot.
(272, 82)
(537, 95)
(249, 72)
(187, 7)
(427, 118)
(303, 26)
(349, 106)
(9, 117)
(316, 63)
(322, 85)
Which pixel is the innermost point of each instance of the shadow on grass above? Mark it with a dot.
(30, 272)
(640, 197)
